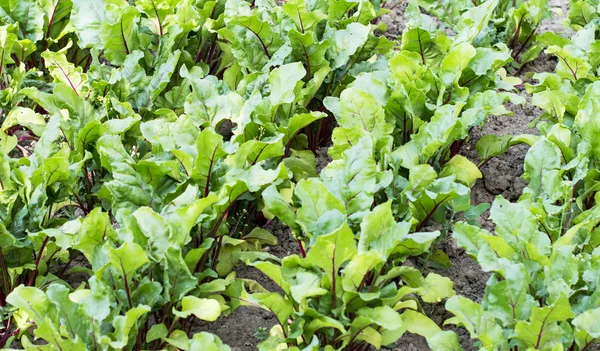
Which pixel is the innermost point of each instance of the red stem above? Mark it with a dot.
(526, 41)
(124, 40)
(517, 33)
(51, 19)
(37, 262)
(301, 248)
(158, 18)
(216, 254)
(212, 159)
(127, 290)
(2, 300)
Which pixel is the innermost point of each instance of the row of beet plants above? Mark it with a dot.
(155, 126)
(543, 254)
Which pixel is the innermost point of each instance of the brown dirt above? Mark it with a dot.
(502, 174)
(395, 20)
(322, 158)
(238, 329)
(560, 11)
(286, 244)
(71, 271)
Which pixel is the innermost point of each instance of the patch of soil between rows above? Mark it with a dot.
(469, 281)
(237, 330)
(395, 20)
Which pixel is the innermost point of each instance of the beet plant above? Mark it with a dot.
(514, 23)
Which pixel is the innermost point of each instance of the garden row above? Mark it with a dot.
(146, 144)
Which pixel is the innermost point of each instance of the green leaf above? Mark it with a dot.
(304, 284)
(302, 164)
(57, 12)
(303, 17)
(488, 61)
(456, 61)
(64, 71)
(361, 109)
(87, 17)
(7, 40)
(418, 323)
(358, 268)
(127, 324)
(155, 229)
(30, 299)
(211, 102)
(514, 222)
(430, 137)
(466, 172)
(157, 83)
(183, 216)
(95, 302)
(353, 178)
(444, 340)
(30, 16)
(127, 259)
(278, 206)
(380, 232)
(47, 331)
(208, 342)
(127, 190)
(474, 20)
(586, 327)
(178, 339)
(383, 316)
(95, 228)
(478, 323)
(542, 330)
(436, 288)
(25, 117)
(309, 51)
(321, 211)
(285, 81)
(205, 309)
(491, 145)
(275, 303)
(178, 279)
(69, 311)
(332, 251)
(542, 157)
(274, 272)
(117, 32)
(249, 37)
(156, 332)
(296, 123)
(345, 42)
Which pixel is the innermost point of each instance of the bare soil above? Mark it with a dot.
(239, 328)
